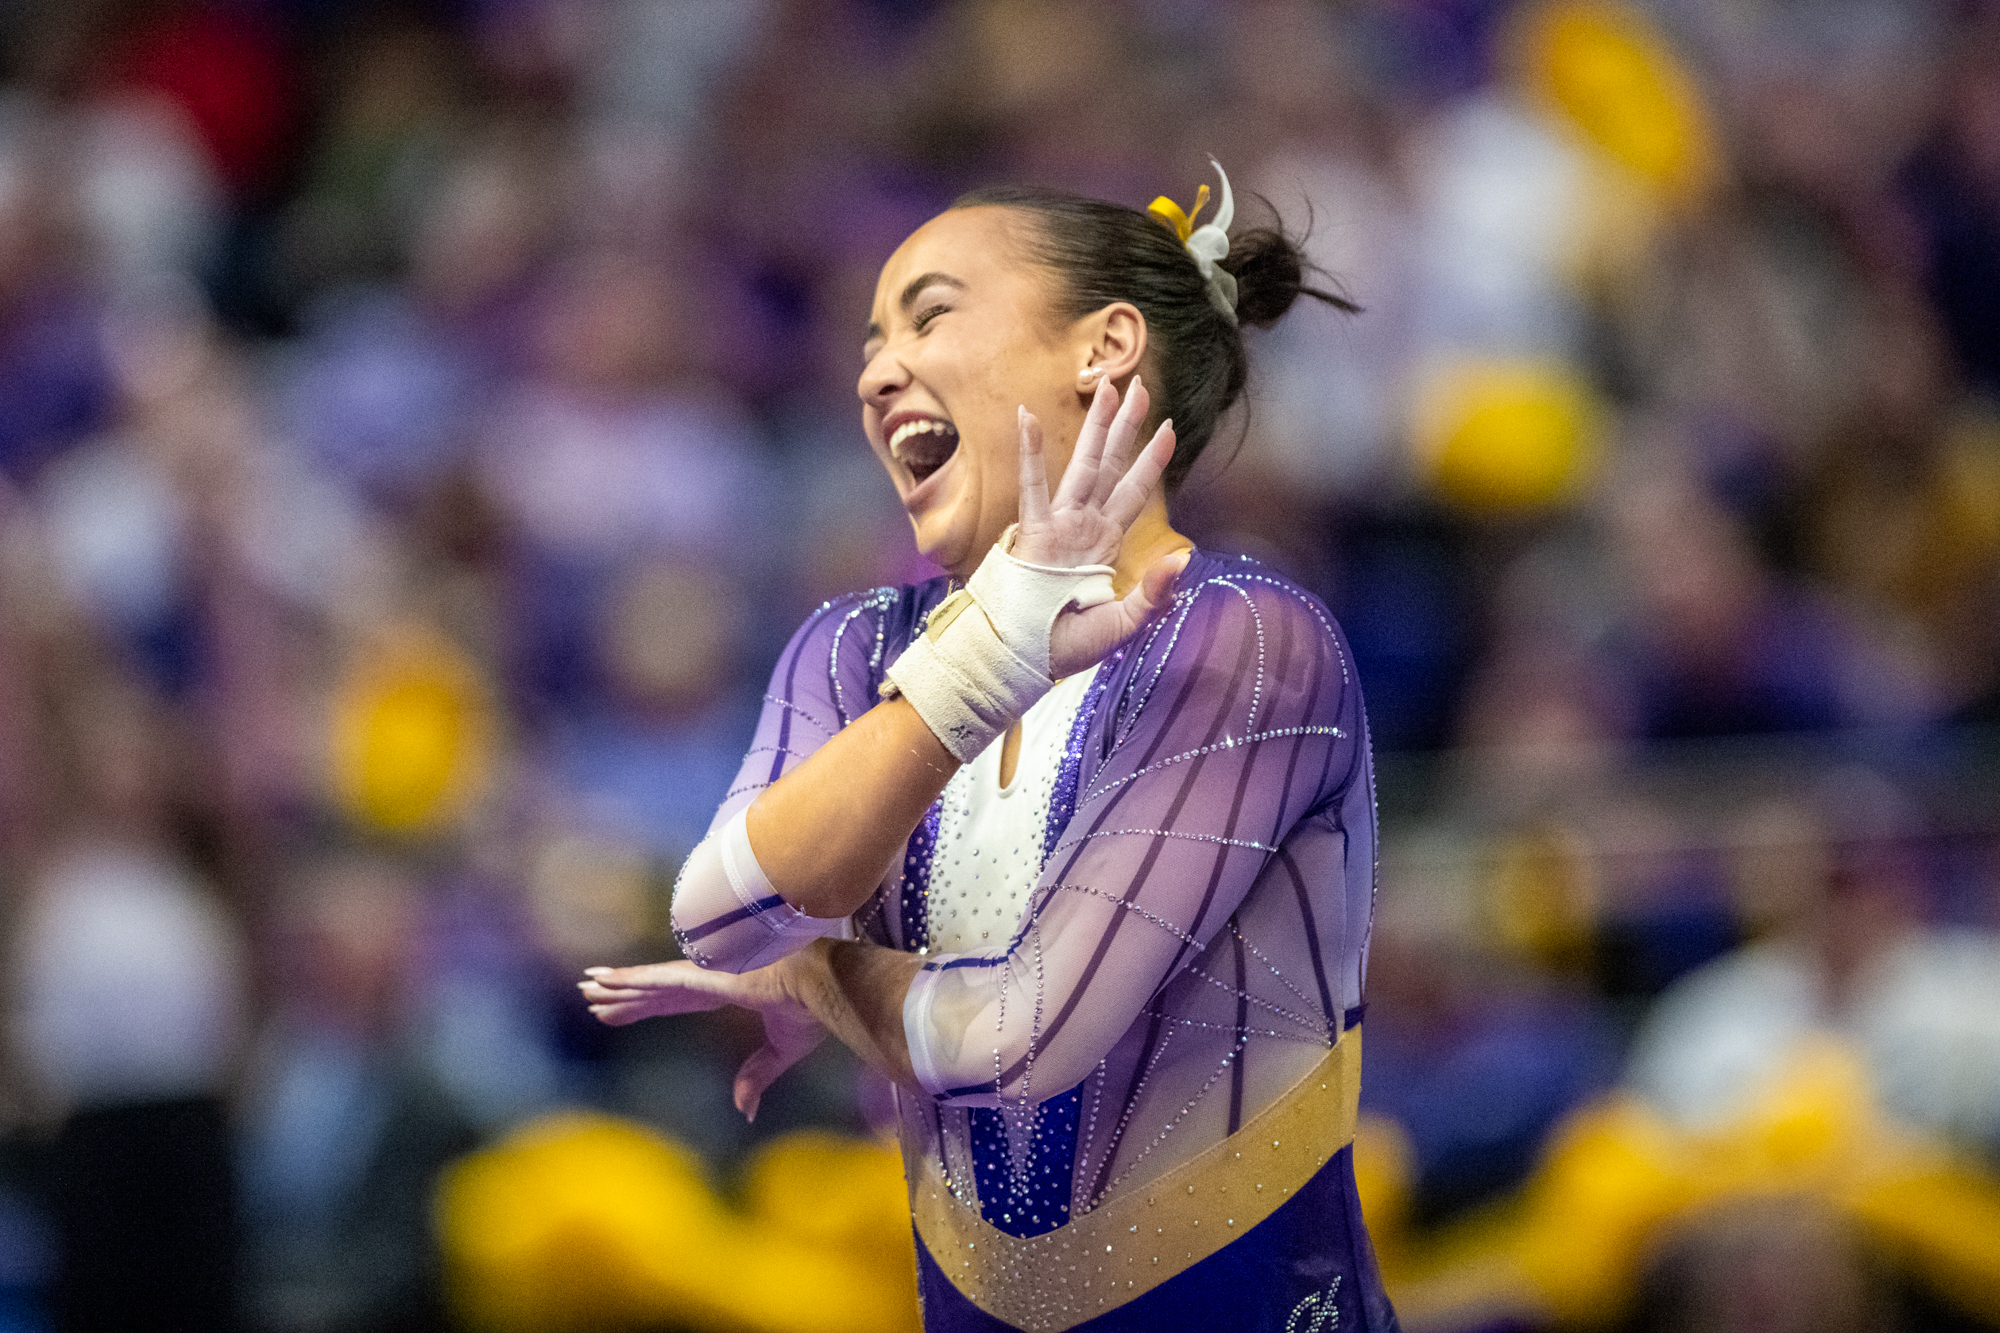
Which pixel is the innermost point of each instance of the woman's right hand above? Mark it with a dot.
(621, 995)
(1102, 491)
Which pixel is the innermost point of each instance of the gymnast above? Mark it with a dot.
(1075, 845)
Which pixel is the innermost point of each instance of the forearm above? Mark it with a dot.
(856, 992)
(827, 832)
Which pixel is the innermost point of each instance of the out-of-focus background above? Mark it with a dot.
(421, 423)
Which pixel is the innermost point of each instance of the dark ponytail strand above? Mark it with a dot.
(1271, 271)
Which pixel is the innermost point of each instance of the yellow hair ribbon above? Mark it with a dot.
(1169, 212)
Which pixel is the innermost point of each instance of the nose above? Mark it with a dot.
(882, 379)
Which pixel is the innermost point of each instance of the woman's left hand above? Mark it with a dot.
(1104, 488)
(621, 995)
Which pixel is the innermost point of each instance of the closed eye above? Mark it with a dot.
(925, 316)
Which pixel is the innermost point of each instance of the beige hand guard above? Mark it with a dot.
(970, 677)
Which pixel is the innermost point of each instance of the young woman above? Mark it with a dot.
(1077, 845)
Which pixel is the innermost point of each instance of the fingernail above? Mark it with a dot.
(595, 971)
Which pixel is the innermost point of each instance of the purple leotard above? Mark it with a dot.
(1191, 956)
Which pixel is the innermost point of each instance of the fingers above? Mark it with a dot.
(1034, 471)
(1081, 639)
(1097, 468)
(656, 989)
(758, 1073)
(618, 1015)
(1156, 587)
(786, 1042)
(654, 1004)
(645, 974)
(1129, 497)
(1079, 479)
(1118, 445)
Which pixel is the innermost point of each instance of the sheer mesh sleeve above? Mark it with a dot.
(725, 915)
(1230, 752)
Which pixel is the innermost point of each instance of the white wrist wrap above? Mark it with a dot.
(970, 677)
(1023, 600)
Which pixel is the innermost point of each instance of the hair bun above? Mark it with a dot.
(1270, 271)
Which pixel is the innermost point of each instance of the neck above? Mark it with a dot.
(1150, 537)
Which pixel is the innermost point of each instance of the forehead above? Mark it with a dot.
(980, 247)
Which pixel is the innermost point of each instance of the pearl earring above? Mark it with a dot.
(1092, 372)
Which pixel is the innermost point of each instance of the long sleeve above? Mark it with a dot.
(1233, 743)
(725, 913)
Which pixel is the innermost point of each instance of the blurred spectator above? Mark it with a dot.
(421, 422)
(130, 993)
(54, 383)
(390, 382)
(345, 1126)
(1719, 646)
(637, 498)
(1846, 951)
(221, 68)
(1329, 152)
(1954, 184)
(1476, 1058)
(388, 128)
(1776, 1265)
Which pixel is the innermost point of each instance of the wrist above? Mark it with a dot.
(1022, 598)
(983, 658)
(804, 976)
(963, 679)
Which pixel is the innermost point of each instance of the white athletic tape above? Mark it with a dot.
(983, 658)
(1023, 600)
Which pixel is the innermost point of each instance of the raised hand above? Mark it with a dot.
(621, 995)
(1102, 491)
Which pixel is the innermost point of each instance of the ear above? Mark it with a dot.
(1111, 343)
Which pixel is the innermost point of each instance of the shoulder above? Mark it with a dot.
(1231, 606)
(845, 643)
(1223, 584)
(1245, 630)
(883, 610)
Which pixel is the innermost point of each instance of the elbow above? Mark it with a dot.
(709, 922)
(688, 937)
(737, 940)
(1052, 1072)
(743, 946)
(1008, 1068)
(728, 918)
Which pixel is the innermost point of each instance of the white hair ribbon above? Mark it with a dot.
(1209, 243)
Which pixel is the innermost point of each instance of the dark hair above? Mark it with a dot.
(1107, 252)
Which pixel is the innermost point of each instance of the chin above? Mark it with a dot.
(945, 545)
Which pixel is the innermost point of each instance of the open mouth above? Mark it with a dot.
(923, 446)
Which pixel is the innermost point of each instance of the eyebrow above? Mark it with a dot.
(910, 293)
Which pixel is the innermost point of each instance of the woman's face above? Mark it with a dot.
(961, 337)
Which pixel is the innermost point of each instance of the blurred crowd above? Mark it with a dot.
(421, 422)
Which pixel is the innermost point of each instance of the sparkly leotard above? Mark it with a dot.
(1140, 1099)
